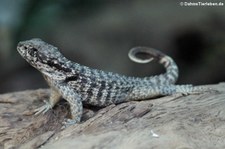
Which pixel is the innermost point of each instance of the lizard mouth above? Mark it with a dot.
(22, 49)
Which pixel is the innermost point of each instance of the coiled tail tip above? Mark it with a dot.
(150, 52)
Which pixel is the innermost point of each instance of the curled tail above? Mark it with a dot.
(171, 75)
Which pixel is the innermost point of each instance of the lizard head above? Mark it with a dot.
(41, 55)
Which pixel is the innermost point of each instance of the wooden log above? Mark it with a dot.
(171, 122)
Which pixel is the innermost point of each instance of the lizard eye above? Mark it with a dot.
(33, 49)
(32, 52)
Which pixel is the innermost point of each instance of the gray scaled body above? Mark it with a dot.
(82, 85)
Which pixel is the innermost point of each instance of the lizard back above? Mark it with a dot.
(96, 87)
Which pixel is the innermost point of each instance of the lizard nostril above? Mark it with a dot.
(20, 43)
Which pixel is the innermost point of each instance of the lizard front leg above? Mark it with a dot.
(54, 98)
(75, 102)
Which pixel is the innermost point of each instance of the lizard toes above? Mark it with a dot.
(43, 109)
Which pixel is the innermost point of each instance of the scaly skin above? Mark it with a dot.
(82, 85)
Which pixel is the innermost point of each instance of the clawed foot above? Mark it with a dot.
(68, 122)
(43, 109)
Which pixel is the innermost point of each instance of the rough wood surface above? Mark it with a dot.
(172, 122)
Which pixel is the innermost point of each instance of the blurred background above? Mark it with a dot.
(99, 34)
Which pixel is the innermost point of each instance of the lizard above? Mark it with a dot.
(79, 84)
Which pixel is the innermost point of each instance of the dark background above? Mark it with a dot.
(99, 34)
